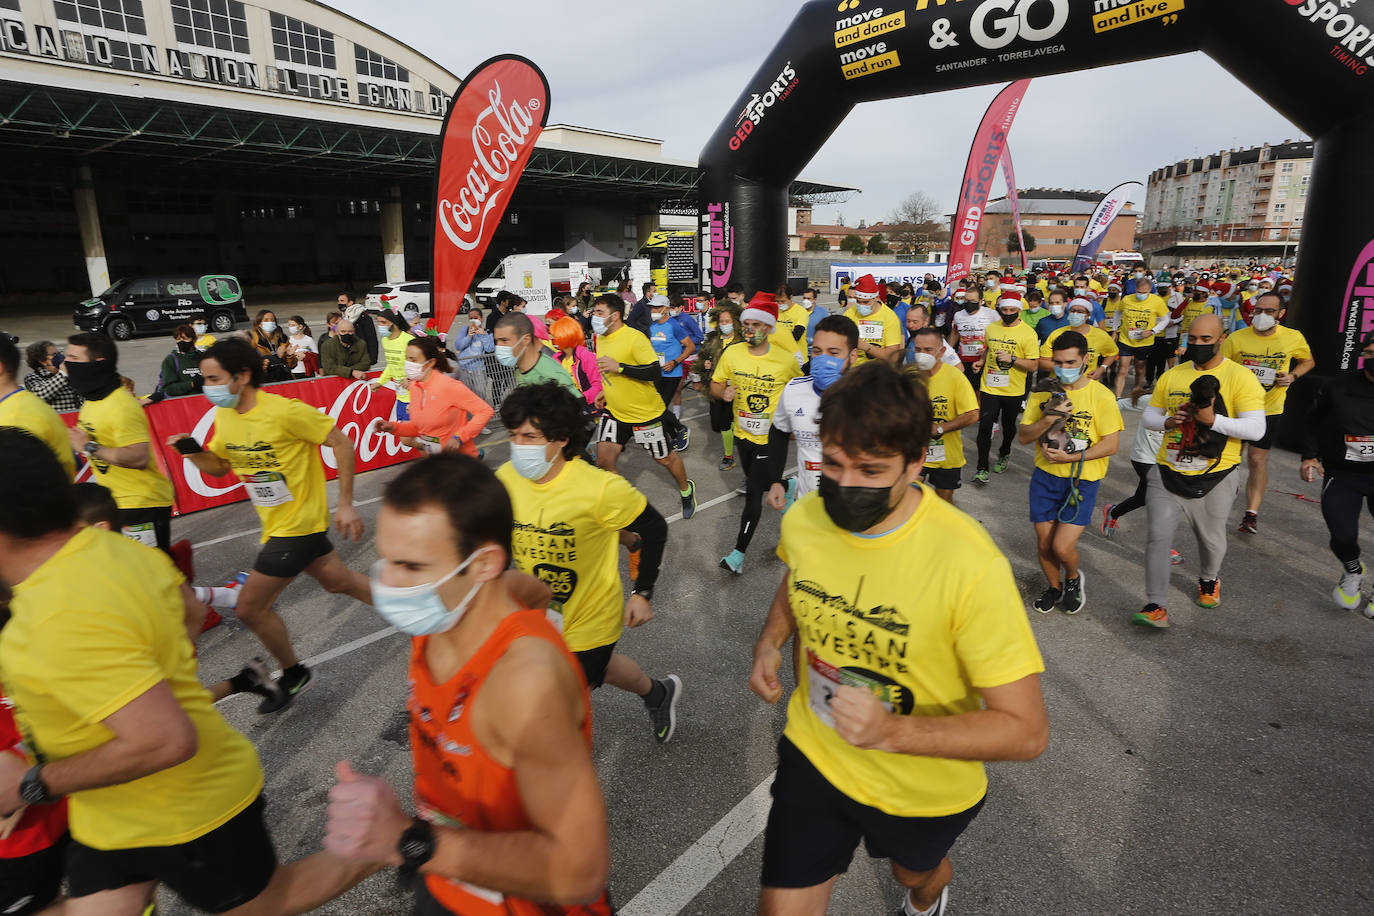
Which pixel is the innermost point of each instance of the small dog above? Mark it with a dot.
(1059, 407)
(1199, 439)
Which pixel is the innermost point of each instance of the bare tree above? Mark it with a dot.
(919, 207)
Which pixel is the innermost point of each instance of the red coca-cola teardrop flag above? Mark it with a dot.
(488, 137)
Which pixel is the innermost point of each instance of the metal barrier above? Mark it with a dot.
(487, 378)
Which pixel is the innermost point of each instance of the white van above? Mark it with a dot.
(1126, 258)
(506, 274)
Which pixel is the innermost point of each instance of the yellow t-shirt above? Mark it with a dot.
(1241, 392)
(116, 421)
(758, 381)
(1100, 345)
(567, 533)
(205, 341)
(795, 317)
(1266, 357)
(1141, 315)
(29, 412)
(923, 636)
(95, 627)
(274, 449)
(1095, 417)
(394, 368)
(990, 297)
(950, 395)
(1190, 312)
(882, 327)
(629, 400)
(1021, 341)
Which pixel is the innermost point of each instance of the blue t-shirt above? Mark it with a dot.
(667, 336)
(691, 328)
(1049, 324)
(818, 314)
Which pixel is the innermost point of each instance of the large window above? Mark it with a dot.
(218, 24)
(115, 15)
(374, 66)
(299, 42)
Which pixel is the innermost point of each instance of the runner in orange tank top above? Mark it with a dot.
(510, 821)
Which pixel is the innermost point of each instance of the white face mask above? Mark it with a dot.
(660, 317)
(1263, 322)
(418, 610)
(923, 361)
(414, 370)
(268, 327)
(199, 329)
(726, 328)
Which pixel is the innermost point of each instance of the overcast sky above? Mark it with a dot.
(670, 70)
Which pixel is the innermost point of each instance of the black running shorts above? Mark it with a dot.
(287, 558)
(29, 883)
(655, 436)
(594, 663)
(225, 868)
(814, 828)
(943, 478)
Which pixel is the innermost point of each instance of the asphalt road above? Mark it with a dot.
(1221, 766)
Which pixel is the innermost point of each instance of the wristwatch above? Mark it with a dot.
(939, 430)
(646, 593)
(90, 448)
(416, 847)
(32, 790)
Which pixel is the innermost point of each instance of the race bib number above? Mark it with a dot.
(812, 472)
(1357, 448)
(653, 438)
(431, 445)
(825, 681)
(267, 489)
(870, 330)
(145, 533)
(755, 424)
(1113, 322)
(935, 451)
(998, 378)
(1182, 462)
(1264, 373)
(970, 344)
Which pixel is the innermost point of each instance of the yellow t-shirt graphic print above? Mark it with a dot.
(1095, 416)
(758, 381)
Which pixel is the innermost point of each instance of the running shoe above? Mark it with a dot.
(664, 715)
(1152, 615)
(726, 464)
(681, 439)
(1250, 524)
(213, 618)
(1047, 600)
(1347, 594)
(1001, 463)
(1075, 595)
(1175, 558)
(1208, 592)
(792, 488)
(689, 502)
(1109, 524)
(257, 679)
(981, 476)
(733, 562)
(941, 905)
(289, 688)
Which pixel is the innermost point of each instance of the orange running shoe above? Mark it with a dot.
(1208, 592)
(1152, 615)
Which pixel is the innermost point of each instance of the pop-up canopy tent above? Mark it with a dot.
(585, 252)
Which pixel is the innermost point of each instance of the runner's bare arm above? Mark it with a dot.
(777, 629)
(346, 518)
(135, 457)
(1012, 726)
(205, 462)
(965, 419)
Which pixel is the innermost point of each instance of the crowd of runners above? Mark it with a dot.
(117, 773)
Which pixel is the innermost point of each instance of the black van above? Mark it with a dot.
(140, 305)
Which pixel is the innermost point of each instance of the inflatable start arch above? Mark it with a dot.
(1312, 60)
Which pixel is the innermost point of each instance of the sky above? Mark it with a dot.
(670, 71)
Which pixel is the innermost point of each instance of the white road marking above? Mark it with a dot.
(696, 868)
(348, 647)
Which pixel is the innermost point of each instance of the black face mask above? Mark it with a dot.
(1009, 319)
(1200, 354)
(971, 305)
(92, 380)
(855, 508)
(186, 346)
(347, 339)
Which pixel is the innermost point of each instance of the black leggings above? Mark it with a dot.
(1343, 496)
(758, 477)
(1137, 499)
(996, 407)
(1158, 359)
(667, 389)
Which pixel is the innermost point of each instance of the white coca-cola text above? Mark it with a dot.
(498, 137)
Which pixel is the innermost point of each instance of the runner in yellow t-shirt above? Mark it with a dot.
(1013, 349)
(1068, 471)
(954, 406)
(634, 409)
(96, 662)
(1143, 315)
(1277, 356)
(894, 658)
(750, 377)
(27, 411)
(112, 430)
(568, 520)
(394, 338)
(272, 444)
(1102, 350)
(880, 330)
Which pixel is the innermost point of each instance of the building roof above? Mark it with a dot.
(1053, 207)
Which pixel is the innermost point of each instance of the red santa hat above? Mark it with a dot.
(764, 307)
(865, 288)
(1223, 289)
(1006, 294)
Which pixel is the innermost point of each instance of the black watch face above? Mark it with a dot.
(414, 848)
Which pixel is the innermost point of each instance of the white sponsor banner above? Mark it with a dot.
(915, 274)
(639, 275)
(528, 277)
(578, 273)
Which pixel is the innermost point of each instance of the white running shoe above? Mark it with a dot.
(1347, 594)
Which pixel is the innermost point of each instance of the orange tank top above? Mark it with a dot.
(457, 783)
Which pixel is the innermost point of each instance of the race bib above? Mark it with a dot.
(970, 345)
(650, 434)
(1357, 448)
(1079, 445)
(431, 445)
(812, 470)
(935, 451)
(1182, 462)
(1113, 322)
(870, 330)
(755, 424)
(1264, 373)
(825, 680)
(146, 534)
(998, 378)
(267, 489)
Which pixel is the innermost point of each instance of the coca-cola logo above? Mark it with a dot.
(720, 241)
(467, 200)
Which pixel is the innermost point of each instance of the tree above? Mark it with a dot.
(919, 207)
(917, 226)
(853, 244)
(817, 243)
(877, 244)
(1026, 239)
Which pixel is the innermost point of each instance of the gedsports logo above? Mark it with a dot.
(1354, 42)
(758, 106)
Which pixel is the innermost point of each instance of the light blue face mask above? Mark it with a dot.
(506, 356)
(825, 370)
(417, 609)
(1142, 296)
(1076, 319)
(529, 461)
(863, 309)
(220, 396)
(598, 324)
(1068, 376)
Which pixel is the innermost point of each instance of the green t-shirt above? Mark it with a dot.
(548, 369)
(1032, 316)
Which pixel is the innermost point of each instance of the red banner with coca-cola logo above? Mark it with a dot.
(488, 137)
(356, 410)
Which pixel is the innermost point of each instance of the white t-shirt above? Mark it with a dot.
(971, 328)
(949, 356)
(303, 343)
(799, 413)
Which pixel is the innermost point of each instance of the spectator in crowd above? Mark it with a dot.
(300, 345)
(472, 344)
(180, 373)
(45, 381)
(269, 340)
(344, 355)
